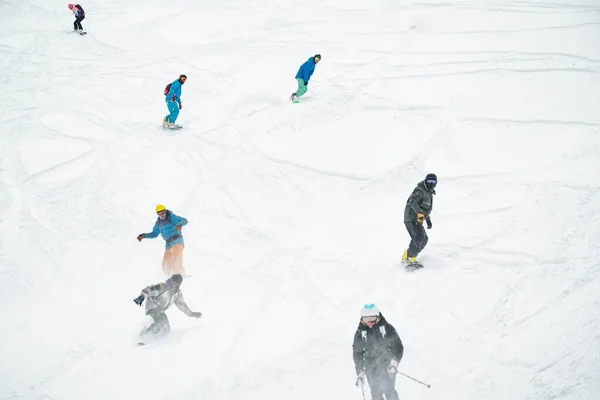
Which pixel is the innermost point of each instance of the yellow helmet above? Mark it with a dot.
(160, 208)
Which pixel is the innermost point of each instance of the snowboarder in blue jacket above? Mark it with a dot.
(169, 225)
(173, 99)
(303, 76)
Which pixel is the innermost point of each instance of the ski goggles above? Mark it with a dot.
(431, 182)
(161, 212)
(369, 320)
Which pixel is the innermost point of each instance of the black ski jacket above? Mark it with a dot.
(374, 348)
(419, 201)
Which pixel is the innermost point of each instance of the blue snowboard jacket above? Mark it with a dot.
(175, 92)
(306, 70)
(166, 228)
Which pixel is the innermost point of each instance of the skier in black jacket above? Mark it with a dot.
(377, 350)
(418, 210)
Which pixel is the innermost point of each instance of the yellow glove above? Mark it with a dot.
(420, 218)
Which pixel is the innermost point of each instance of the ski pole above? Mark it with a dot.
(362, 388)
(416, 380)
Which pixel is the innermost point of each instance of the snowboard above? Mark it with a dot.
(413, 266)
(148, 339)
(148, 342)
(82, 33)
(174, 127)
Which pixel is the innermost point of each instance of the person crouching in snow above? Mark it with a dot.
(79, 16)
(169, 225)
(377, 351)
(303, 76)
(160, 297)
(173, 99)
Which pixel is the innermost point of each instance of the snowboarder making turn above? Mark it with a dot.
(160, 297)
(303, 76)
(79, 16)
(173, 99)
(377, 351)
(169, 225)
(418, 209)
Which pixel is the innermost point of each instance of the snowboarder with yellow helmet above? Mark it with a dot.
(169, 225)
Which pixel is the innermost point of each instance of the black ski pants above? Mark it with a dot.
(77, 23)
(418, 238)
(161, 325)
(382, 384)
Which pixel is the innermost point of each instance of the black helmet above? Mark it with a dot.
(430, 181)
(317, 56)
(182, 78)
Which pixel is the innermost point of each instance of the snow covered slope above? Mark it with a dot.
(296, 210)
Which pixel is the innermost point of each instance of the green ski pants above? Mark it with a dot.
(301, 87)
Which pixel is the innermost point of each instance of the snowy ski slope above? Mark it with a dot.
(296, 210)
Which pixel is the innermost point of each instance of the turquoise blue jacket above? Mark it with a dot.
(166, 228)
(175, 92)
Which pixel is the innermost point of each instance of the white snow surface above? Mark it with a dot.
(296, 210)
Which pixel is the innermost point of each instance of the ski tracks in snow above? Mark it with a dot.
(295, 210)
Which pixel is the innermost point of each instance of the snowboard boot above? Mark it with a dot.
(412, 260)
(166, 123)
(294, 98)
(405, 256)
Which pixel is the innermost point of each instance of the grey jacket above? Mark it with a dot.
(162, 296)
(420, 201)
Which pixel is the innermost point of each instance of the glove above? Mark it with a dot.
(429, 224)
(305, 83)
(360, 380)
(139, 300)
(180, 105)
(178, 228)
(392, 369)
(140, 237)
(173, 98)
(420, 218)
(196, 315)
